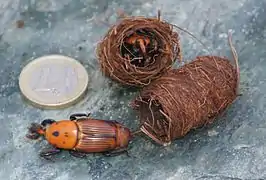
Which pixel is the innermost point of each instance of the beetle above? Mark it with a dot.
(81, 135)
(138, 41)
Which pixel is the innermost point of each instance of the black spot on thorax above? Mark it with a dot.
(56, 133)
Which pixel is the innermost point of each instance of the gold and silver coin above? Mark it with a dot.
(53, 81)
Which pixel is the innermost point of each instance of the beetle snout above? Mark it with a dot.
(35, 131)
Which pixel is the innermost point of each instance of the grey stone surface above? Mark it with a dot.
(232, 148)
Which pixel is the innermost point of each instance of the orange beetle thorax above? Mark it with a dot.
(62, 134)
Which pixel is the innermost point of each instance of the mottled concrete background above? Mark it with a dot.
(233, 148)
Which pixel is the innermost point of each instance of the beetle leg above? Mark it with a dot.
(116, 153)
(50, 152)
(47, 121)
(76, 115)
(77, 154)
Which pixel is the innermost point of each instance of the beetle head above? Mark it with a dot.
(35, 131)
